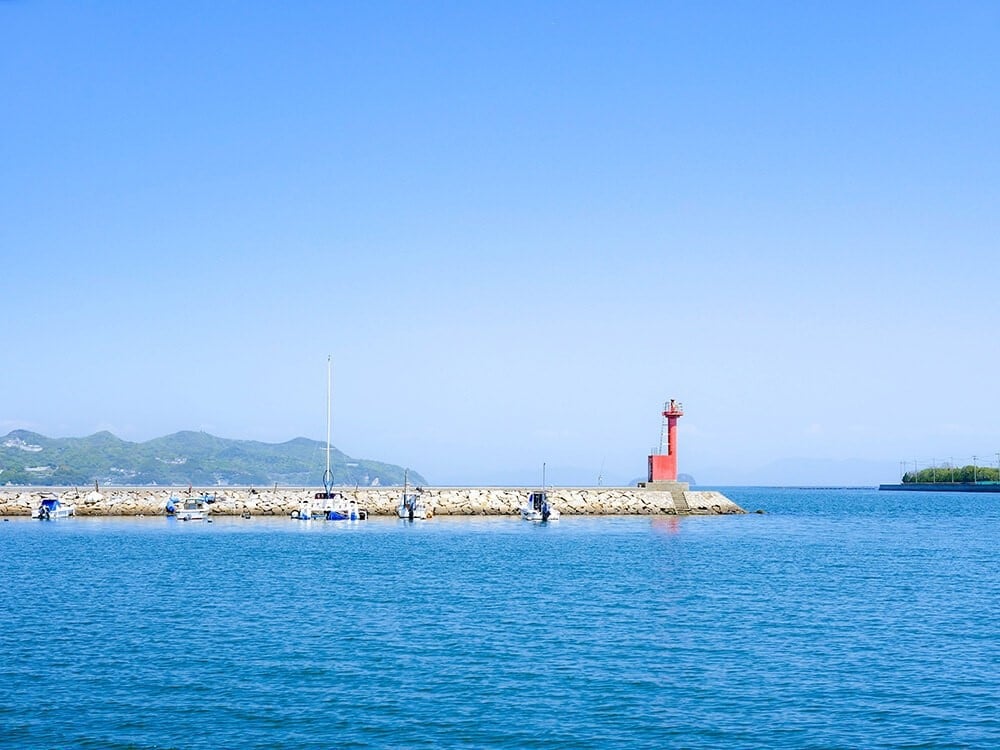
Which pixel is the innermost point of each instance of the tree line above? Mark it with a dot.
(968, 473)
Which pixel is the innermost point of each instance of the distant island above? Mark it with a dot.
(184, 458)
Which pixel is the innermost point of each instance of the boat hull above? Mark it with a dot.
(192, 510)
(530, 514)
(419, 513)
(63, 511)
(349, 512)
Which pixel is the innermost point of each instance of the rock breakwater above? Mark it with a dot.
(379, 501)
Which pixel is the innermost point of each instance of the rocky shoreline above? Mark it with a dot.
(671, 499)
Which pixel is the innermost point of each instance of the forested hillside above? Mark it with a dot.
(196, 458)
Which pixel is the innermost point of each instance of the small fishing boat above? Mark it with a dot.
(411, 508)
(52, 508)
(538, 507)
(411, 505)
(178, 508)
(192, 509)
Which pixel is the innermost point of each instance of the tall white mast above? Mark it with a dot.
(328, 477)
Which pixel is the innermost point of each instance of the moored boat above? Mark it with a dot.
(304, 512)
(411, 508)
(193, 509)
(538, 508)
(190, 509)
(336, 507)
(52, 508)
(329, 505)
(411, 505)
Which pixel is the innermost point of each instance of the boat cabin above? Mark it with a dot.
(536, 501)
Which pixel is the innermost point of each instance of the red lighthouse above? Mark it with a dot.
(663, 465)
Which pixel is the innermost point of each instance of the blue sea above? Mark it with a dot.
(837, 619)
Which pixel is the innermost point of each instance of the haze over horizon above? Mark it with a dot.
(518, 229)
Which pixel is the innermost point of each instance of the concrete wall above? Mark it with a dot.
(466, 501)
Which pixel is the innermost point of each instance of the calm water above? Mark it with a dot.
(839, 619)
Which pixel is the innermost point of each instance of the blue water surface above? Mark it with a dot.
(840, 618)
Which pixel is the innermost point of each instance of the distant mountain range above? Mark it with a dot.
(195, 458)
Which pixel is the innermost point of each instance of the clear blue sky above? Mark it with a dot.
(517, 227)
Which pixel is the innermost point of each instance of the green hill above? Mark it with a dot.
(196, 458)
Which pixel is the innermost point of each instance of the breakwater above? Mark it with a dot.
(942, 487)
(675, 499)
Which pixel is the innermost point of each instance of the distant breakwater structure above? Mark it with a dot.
(943, 487)
(660, 498)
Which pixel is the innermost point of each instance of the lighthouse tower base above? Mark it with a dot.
(665, 486)
(678, 492)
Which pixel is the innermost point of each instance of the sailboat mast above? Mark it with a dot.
(328, 476)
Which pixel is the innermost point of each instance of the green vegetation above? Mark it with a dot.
(195, 458)
(940, 474)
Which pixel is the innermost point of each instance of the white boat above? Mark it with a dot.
(336, 507)
(51, 508)
(192, 509)
(538, 508)
(329, 505)
(411, 505)
(304, 512)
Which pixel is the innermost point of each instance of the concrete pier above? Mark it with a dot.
(668, 498)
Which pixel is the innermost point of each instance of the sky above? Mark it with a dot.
(518, 228)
